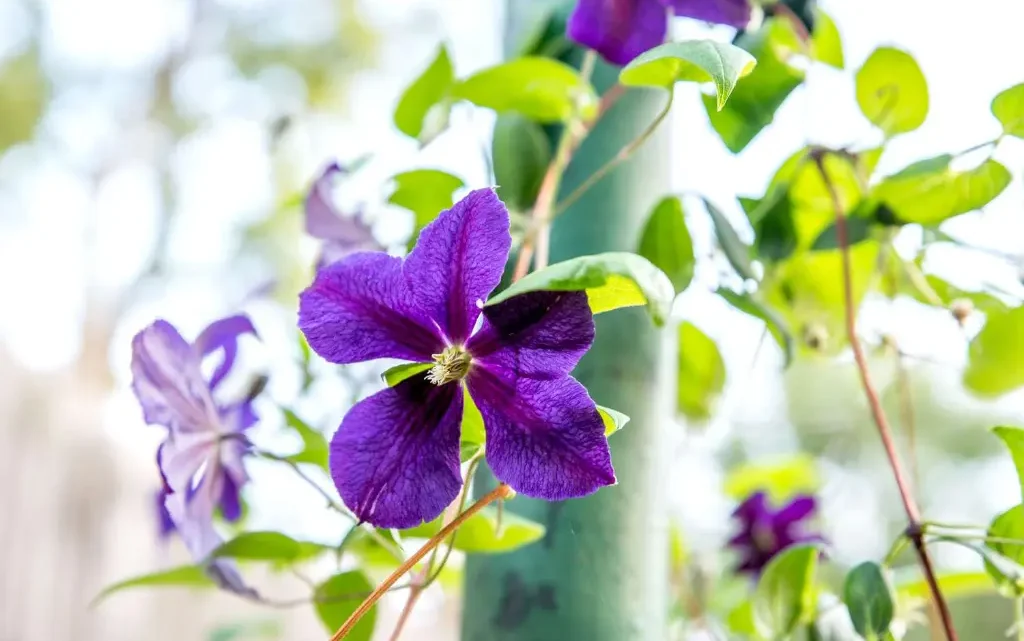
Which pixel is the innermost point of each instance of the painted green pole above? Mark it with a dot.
(601, 572)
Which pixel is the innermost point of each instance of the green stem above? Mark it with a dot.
(616, 160)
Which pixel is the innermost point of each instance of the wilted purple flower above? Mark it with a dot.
(395, 457)
(201, 459)
(764, 531)
(342, 234)
(621, 30)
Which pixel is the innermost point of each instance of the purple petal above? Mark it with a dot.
(735, 13)
(182, 457)
(360, 309)
(539, 334)
(458, 261)
(797, 510)
(168, 382)
(395, 458)
(544, 437)
(754, 508)
(619, 30)
(230, 501)
(343, 234)
(200, 537)
(223, 334)
(165, 525)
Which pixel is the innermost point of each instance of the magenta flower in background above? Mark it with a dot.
(764, 531)
(395, 457)
(342, 234)
(621, 30)
(201, 459)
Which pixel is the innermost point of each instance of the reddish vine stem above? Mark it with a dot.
(914, 530)
(500, 492)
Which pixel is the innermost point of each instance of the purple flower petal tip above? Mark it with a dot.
(342, 234)
(765, 531)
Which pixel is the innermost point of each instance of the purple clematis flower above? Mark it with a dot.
(201, 459)
(621, 30)
(342, 234)
(764, 531)
(395, 457)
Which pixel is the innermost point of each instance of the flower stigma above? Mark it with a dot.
(450, 365)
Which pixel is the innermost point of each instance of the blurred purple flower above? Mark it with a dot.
(621, 30)
(342, 234)
(201, 459)
(764, 531)
(164, 523)
(395, 457)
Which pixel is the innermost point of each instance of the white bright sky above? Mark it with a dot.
(61, 239)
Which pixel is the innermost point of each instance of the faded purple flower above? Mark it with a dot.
(201, 459)
(621, 30)
(342, 234)
(764, 531)
(395, 457)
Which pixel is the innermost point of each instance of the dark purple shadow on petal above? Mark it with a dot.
(619, 30)
(735, 13)
(544, 437)
(164, 523)
(360, 309)
(459, 260)
(539, 334)
(395, 458)
(167, 380)
(230, 501)
(223, 334)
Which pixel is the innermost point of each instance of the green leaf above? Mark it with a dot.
(267, 546)
(23, 97)
(930, 191)
(892, 92)
(1008, 578)
(826, 44)
(426, 93)
(192, 576)
(857, 231)
(775, 233)
(426, 193)
(1013, 438)
(541, 89)
(314, 445)
(611, 280)
(995, 355)
(338, 597)
(690, 61)
(1008, 108)
(701, 373)
(735, 250)
(666, 242)
(521, 152)
(613, 420)
(754, 101)
(954, 585)
(869, 599)
(472, 421)
(395, 375)
(749, 305)
(785, 595)
(781, 479)
(479, 533)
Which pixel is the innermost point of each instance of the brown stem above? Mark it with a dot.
(914, 530)
(500, 492)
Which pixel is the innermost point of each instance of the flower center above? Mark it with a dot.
(450, 365)
(764, 537)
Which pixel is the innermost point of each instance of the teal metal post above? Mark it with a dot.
(601, 572)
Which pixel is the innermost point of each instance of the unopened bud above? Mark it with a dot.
(961, 308)
(816, 336)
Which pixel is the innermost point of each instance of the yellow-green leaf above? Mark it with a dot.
(338, 597)
(426, 193)
(611, 280)
(395, 375)
(192, 576)
(613, 420)
(480, 534)
(785, 595)
(781, 479)
(930, 191)
(826, 44)
(1008, 108)
(892, 91)
(666, 242)
(690, 60)
(541, 89)
(1013, 438)
(701, 373)
(424, 95)
(996, 354)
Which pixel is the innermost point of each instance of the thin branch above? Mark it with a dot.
(500, 492)
(914, 531)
